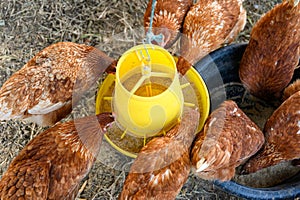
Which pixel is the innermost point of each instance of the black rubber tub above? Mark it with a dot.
(220, 72)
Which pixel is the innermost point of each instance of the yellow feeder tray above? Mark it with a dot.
(138, 107)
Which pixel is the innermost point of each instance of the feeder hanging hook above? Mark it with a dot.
(150, 35)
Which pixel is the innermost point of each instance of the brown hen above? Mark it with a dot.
(282, 133)
(273, 52)
(45, 88)
(167, 19)
(163, 165)
(229, 138)
(208, 25)
(52, 165)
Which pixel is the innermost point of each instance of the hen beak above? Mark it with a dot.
(166, 38)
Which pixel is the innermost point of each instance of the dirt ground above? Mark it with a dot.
(26, 27)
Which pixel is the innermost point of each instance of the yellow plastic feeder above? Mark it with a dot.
(147, 97)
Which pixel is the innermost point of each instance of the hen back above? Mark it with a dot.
(52, 164)
(208, 25)
(282, 133)
(273, 52)
(163, 165)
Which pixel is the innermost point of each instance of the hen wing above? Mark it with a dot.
(229, 138)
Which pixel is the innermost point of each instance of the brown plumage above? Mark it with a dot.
(282, 133)
(163, 165)
(291, 89)
(208, 25)
(52, 165)
(168, 18)
(44, 90)
(229, 138)
(273, 52)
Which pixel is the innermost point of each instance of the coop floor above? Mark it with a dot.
(28, 26)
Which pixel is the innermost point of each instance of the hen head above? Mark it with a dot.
(165, 23)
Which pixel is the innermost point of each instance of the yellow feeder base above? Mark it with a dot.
(130, 145)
